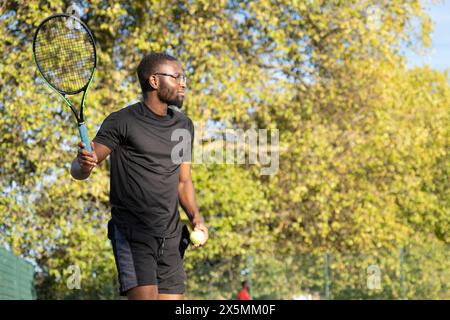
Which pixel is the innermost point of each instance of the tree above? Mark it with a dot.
(363, 165)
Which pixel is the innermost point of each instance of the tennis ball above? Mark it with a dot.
(197, 237)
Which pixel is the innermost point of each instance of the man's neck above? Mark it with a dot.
(155, 105)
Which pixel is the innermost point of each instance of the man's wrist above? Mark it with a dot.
(197, 219)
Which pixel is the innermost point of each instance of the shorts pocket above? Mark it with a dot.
(110, 230)
(184, 240)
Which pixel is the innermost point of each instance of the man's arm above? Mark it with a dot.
(86, 161)
(186, 193)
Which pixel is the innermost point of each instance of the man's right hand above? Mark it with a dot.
(87, 160)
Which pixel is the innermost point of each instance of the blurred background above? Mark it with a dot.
(359, 92)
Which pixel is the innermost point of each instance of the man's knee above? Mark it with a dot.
(167, 296)
(149, 292)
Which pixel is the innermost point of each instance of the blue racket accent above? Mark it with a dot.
(84, 136)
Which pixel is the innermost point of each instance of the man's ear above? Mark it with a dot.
(153, 82)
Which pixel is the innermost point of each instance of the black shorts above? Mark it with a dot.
(155, 261)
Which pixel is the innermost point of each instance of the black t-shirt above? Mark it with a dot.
(144, 176)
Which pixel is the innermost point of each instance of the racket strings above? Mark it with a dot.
(65, 53)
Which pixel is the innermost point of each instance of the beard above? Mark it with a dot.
(170, 97)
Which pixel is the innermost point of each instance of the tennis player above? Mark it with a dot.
(147, 183)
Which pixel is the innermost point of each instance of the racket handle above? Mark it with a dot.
(84, 136)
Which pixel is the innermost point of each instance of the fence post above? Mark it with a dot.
(402, 273)
(326, 278)
(250, 270)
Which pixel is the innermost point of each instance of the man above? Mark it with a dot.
(244, 293)
(148, 181)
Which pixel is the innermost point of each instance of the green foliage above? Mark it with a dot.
(239, 218)
(364, 166)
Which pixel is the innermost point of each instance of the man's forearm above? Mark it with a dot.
(186, 194)
(76, 171)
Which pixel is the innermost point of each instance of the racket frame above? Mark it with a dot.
(78, 116)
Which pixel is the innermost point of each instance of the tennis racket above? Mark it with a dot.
(65, 56)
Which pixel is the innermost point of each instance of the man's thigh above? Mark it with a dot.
(136, 266)
(171, 274)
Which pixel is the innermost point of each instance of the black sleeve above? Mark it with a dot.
(112, 131)
(187, 156)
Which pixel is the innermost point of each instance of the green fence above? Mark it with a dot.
(410, 272)
(16, 277)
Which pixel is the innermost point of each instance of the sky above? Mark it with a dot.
(438, 56)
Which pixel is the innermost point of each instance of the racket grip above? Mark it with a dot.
(84, 136)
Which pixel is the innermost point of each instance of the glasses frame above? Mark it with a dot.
(180, 78)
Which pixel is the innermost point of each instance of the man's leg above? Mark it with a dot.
(149, 292)
(171, 274)
(166, 296)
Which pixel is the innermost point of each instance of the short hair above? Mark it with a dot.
(148, 66)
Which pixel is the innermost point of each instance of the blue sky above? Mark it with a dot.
(438, 56)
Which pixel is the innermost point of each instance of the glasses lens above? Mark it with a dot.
(182, 78)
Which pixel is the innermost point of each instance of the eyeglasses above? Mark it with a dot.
(180, 78)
